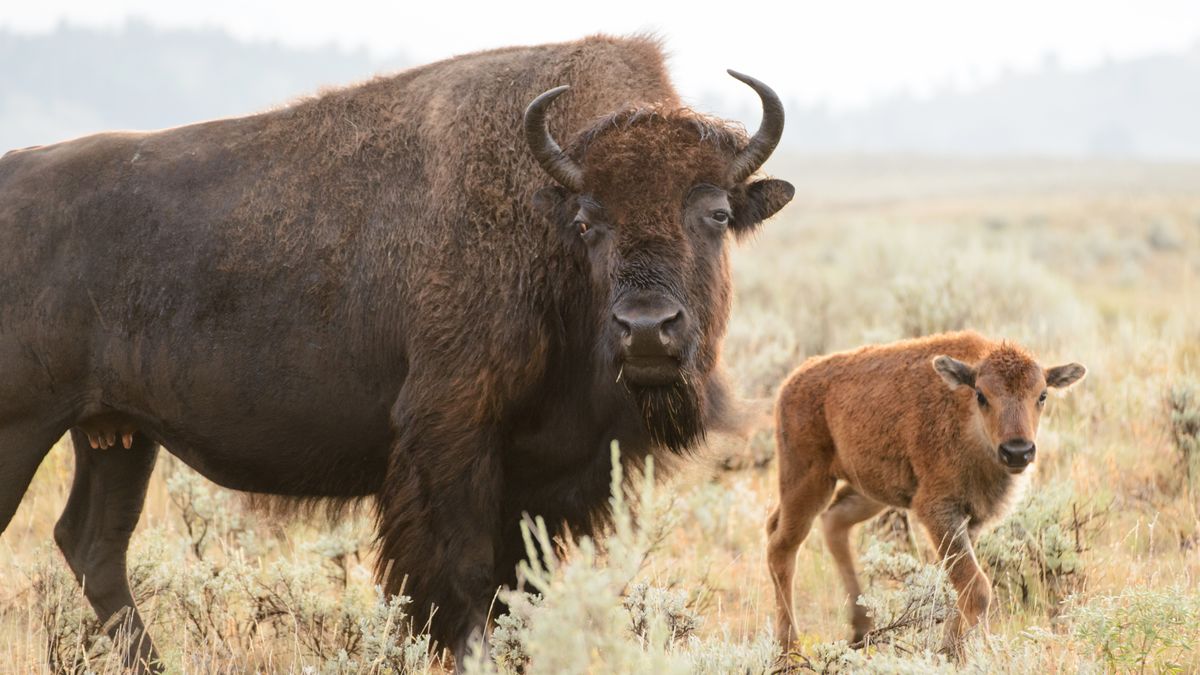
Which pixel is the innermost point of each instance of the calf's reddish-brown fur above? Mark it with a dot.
(940, 425)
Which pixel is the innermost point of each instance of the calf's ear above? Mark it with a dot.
(1061, 377)
(954, 372)
(758, 201)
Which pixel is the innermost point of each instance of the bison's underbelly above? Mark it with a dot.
(288, 456)
(270, 418)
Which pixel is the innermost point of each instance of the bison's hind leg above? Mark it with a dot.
(805, 485)
(94, 530)
(23, 446)
(849, 508)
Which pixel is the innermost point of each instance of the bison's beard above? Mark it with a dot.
(671, 413)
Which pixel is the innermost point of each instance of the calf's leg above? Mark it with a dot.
(805, 486)
(849, 508)
(949, 530)
(93, 533)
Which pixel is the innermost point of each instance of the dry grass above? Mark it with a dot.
(1098, 570)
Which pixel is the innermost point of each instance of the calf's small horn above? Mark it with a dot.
(551, 157)
(763, 143)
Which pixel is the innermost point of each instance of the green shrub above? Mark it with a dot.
(208, 512)
(725, 654)
(648, 605)
(906, 599)
(834, 658)
(586, 611)
(728, 513)
(74, 640)
(1141, 629)
(1034, 555)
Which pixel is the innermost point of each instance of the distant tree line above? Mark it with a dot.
(80, 80)
(1146, 107)
(76, 80)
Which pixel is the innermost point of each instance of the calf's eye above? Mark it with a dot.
(981, 398)
(1042, 398)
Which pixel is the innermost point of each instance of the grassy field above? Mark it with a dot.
(1097, 569)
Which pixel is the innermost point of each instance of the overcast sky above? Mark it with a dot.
(845, 52)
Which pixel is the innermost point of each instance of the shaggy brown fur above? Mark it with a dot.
(919, 424)
(373, 292)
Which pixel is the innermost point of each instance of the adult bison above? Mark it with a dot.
(374, 292)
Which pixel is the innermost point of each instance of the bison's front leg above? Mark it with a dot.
(438, 516)
(948, 528)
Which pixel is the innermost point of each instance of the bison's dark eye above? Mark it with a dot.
(581, 226)
(981, 398)
(721, 216)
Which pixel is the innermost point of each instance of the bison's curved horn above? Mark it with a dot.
(769, 132)
(551, 157)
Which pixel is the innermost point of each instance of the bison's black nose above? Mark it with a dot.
(651, 329)
(1017, 454)
(650, 325)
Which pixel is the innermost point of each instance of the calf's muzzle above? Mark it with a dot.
(1017, 454)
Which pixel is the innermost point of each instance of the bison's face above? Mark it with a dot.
(660, 276)
(645, 274)
(1009, 390)
(647, 202)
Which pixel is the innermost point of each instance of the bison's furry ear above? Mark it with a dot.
(1061, 377)
(954, 372)
(758, 201)
(548, 199)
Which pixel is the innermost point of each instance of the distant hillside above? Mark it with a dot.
(1147, 107)
(79, 80)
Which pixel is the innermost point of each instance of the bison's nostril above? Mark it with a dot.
(669, 326)
(626, 329)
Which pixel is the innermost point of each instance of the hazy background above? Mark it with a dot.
(1009, 167)
(1064, 79)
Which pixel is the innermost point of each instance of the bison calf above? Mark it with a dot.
(941, 425)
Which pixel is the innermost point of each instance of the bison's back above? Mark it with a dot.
(881, 405)
(397, 180)
(365, 198)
